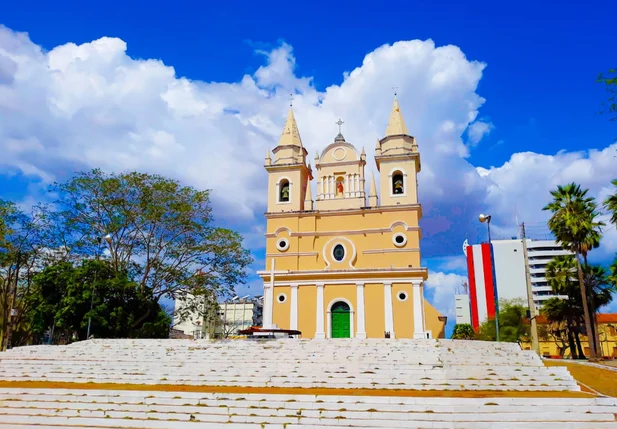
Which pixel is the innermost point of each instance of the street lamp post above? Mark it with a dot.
(96, 269)
(487, 218)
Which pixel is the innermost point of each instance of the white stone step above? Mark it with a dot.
(392, 364)
(55, 408)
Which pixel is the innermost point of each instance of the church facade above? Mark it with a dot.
(343, 264)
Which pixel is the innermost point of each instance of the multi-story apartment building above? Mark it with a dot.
(499, 273)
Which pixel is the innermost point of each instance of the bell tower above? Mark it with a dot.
(398, 162)
(288, 174)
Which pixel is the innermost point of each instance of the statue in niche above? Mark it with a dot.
(339, 186)
(285, 192)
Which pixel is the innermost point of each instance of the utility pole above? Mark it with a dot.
(532, 307)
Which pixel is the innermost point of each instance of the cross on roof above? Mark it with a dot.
(339, 123)
(291, 99)
(395, 88)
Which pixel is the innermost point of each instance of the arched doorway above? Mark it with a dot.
(341, 323)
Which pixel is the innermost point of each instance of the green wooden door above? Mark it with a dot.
(340, 320)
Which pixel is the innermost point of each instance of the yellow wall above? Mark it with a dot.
(307, 309)
(402, 311)
(374, 311)
(433, 324)
(369, 232)
(280, 311)
(608, 342)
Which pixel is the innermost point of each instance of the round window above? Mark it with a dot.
(281, 298)
(282, 244)
(402, 296)
(338, 252)
(399, 240)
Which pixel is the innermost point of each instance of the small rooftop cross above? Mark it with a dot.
(339, 123)
(395, 88)
(291, 100)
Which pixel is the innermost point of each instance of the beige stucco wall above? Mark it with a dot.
(280, 314)
(402, 311)
(433, 323)
(368, 232)
(307, 310)
(374, 312)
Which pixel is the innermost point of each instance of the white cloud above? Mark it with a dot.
(478, 130)
(520, 187)
(443, 286)
(80, 106)
(91, 105)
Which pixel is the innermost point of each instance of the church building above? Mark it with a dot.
(343, 264)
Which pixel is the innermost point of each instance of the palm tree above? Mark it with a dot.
(557, 314)
(561, 276)
(611, 204)
(573, 223)
(600, 290)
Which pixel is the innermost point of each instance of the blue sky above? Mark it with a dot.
(525, 78)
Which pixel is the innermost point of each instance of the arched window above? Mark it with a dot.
(284, 191)
(398, 183)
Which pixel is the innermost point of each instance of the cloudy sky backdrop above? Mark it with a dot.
(78, 96)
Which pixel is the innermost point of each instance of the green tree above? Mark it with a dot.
(561, 326)
(611, 203)
(63, 294)
(512, 327)
(23, 252)
(574, 225)
(561, 275)
(610, 85)
(162, 233)
(463, 331)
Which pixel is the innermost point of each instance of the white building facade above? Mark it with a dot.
(498, 273)
(462, 309)
(232, 316)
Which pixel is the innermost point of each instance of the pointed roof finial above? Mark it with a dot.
(291, 100)
(395, 89)
(373, 189)
(291, 135)
(308, 196)
(396, 123)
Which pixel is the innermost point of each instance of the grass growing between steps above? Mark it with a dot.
(293, 390)
(601, 380)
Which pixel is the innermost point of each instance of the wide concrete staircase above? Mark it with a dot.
(41, 409)
(138, 366)
(368, 364)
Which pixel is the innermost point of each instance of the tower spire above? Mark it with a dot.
(291, 135)
(308, 198)
(372, 196)
(396, 123)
